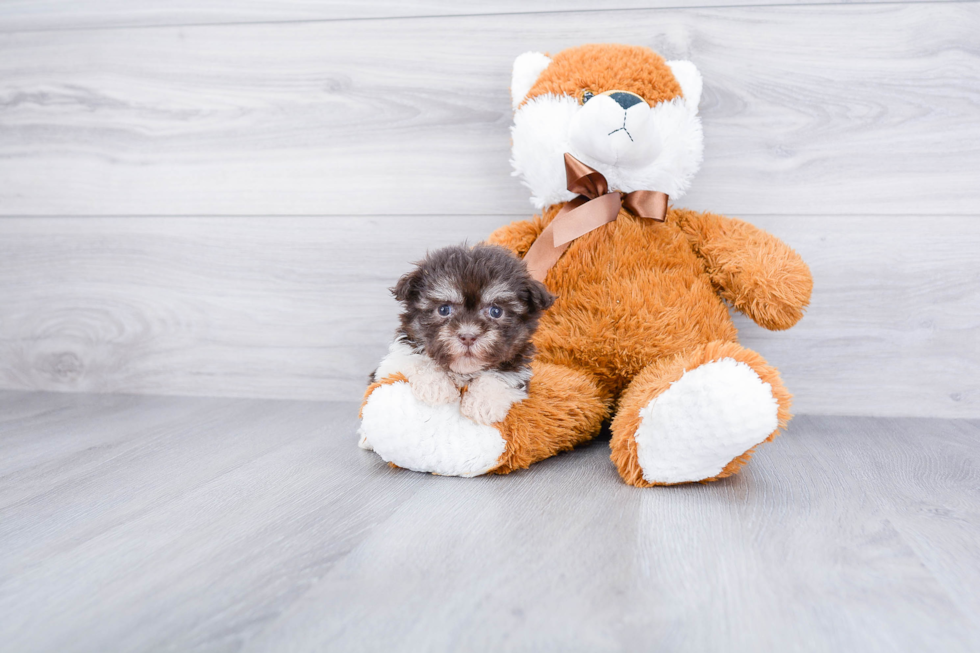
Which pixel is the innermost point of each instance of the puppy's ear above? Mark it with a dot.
(537, 296)
(409, 287)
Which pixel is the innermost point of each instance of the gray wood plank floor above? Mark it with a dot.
(164, 523)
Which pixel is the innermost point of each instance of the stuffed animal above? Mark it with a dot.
(640, 335)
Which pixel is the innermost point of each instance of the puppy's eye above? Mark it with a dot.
(495, 312)
(586, 96)
(445, 310)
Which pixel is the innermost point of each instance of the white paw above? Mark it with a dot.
(425, 438)
(488, 399)
(433, 387)
(711, 415)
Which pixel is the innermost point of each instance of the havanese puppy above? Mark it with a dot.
(467, 322)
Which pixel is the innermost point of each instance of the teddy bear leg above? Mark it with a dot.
(697, 416)
(564, 407)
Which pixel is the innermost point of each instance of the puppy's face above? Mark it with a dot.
(472, 309)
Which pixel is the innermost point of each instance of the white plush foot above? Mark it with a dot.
(433, 386)
(488, 399)
(363, 441)
(706, 419)
(425, 438)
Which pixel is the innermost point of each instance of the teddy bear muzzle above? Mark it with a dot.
(615, 128)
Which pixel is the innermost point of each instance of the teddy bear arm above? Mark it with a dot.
(756, 272)
(517, 236)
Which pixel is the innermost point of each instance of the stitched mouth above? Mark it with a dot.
(622, 129)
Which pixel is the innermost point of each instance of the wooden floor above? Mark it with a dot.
(164, 523)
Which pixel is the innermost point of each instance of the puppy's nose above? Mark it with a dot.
(626, 99)
(467, 338)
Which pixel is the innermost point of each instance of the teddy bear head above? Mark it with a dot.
(622, 110)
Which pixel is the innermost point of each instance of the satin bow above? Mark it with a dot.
(594, 207)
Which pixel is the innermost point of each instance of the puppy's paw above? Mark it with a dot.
(488, 400)
(433, 387)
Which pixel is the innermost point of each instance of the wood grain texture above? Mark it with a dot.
(33, 15)
(299, 308)
(894, 324)
(866, 109)
(275, 307)
(136, 506)
(149, 523)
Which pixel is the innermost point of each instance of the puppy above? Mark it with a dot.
(468, 318)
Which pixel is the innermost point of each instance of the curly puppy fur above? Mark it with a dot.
(471, 282)
(467, 323)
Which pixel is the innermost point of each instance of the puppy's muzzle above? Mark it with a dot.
(467, 335)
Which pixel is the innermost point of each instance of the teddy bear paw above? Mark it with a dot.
(362, 440)
(710, 416)
(422, 437)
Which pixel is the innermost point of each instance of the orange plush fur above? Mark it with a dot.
(623, 68)
(640, 302)
(398, 377)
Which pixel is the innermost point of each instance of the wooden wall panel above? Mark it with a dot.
(823, 110)
(218, 208)
(894, 325)
(23, 15)
(276, 307)
(298, 307)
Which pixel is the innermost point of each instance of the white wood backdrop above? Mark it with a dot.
(212, 198)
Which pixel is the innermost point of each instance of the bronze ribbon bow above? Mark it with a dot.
(594, 207)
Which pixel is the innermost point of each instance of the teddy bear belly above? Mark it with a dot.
(614, 330)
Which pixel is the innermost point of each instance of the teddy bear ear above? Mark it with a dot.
(688, 76)
(527, 68)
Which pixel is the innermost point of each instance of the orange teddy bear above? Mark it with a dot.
(640, 332)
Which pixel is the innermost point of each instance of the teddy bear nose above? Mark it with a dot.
(467, 338)
(626, 100)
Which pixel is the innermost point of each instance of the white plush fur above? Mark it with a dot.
(540, 131)
(607, 133)
(547, 126)
(438, 439)
(543, 132)
(527, 68)
(401, 358)
(435, 400)
(707, 418)
(689, 77)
